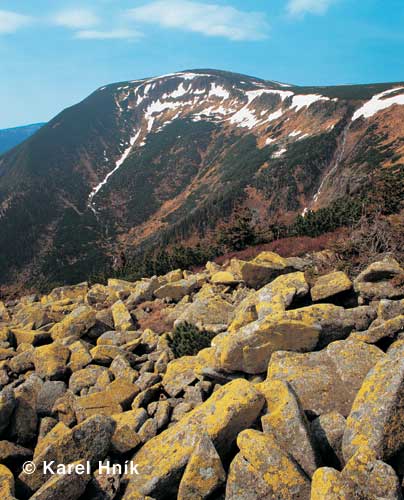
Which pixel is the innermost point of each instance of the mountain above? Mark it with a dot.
(153, 162)
(11, 137)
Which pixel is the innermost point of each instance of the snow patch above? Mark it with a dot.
(303, 101)
(378, 103)
(219, 91)
(279, 153)
(118, 164)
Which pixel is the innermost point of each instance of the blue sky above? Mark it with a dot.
(53, 53)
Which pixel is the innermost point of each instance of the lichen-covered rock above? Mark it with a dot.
(262, 469)
(125, 437)
(7, 405)
(327, 484)
(121, 316)
(272, 298)
(330, 285)
(12, 454)
(326, 380)
(178, 289)
(68, 486)
(162, 460)
(89, 440)
(370, 478)
(48, 395)
(386, 330)
(79, 355)
(212, 313)
(25, 417)
(54, 435)
(261, 270)
(300, 330)
(286, 421)
(33, 337)
(76, 324)
(180, 373)
(85, 378)
(4, 314)
(118, 395)
(377, 416)
(328, 430)
(389, 309)
(204, 472)
(142, 291)
(377, 280)
(75, 292)
(224, 278)
(6, 483)
(51, 361)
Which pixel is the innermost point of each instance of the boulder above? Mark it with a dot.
(33, 337)
(12, 454)
(76, 324)
(74, 292)
(68, 486)
(4, 314)
(327, 380)
(377, 416)
(204, 472)
(364, 477)
(262, 269)
(181, 373)
(85, 378)
(381, 280)
(370, 478)
(142, 291)
(272, 298)
(177, 290)
(328, 484)
(212, 313)
(285, 420)
(51, 361)
(262, 469)
(79, 355)
(121, 316)
(388, 329)
(326, 287)
(328, 430)
(54, 435)
(7, 406)
(224, 278)
(89, 440)
(6, 483)
(49, 393)
(117, 395)
(125, 437)
(162, 460)
(25, 418)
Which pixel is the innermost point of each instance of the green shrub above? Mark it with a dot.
(188, 340)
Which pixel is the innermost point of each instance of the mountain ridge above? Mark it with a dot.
(12, 136)
(98, 171)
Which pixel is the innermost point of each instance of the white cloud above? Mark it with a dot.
(298, 7)
(117, 34)
(79, 18)
(207, 19)
(10, 22)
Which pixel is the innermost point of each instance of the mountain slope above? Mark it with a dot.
(166, 158)
(11, 137)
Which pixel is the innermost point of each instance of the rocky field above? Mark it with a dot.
(299, 396)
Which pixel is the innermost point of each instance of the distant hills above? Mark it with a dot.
(11, 137)
(159, 162)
